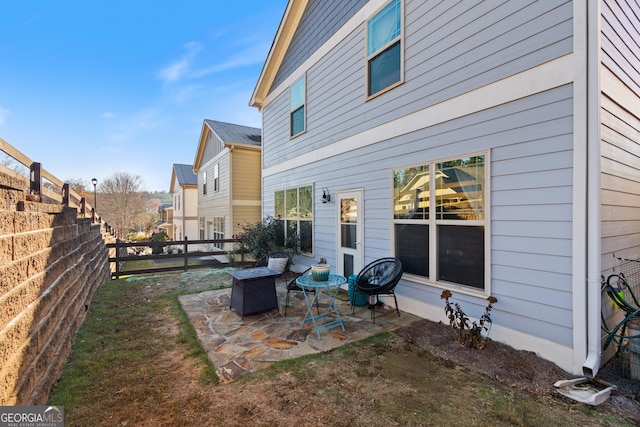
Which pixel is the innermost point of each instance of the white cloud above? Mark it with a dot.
(181, 67)
(108, 115)
(251, 56)
(4, 113)
(132, 127)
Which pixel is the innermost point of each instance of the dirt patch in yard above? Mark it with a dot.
(517, 369)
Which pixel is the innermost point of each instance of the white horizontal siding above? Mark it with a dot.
(449, 51)
(530, 144)
(620, 182)
(620, 42)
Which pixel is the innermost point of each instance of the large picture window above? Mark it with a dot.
(294, 210)
(297, 102)
(440, 207)
(384, 48)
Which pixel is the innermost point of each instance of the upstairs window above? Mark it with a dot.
(204, 183)
(384, 49)
(216, 178)
(297, 103)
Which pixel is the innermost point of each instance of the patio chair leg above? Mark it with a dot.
(286, 304)
(373, 313)
(396, 301)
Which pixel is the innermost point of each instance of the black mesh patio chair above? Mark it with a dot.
(293, 286)
(379, 278)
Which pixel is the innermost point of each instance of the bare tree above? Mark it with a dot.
(121, 203)
(149, 222)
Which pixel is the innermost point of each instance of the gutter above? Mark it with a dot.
(593, 361)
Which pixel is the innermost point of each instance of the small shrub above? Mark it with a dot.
(159, 237)
(468, 334)
(266, 236)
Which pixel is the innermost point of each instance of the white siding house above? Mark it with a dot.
(184, 188)
(492, 146)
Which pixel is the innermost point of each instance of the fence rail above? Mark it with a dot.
(46, 187)
(121, 254)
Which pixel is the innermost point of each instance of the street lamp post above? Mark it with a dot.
(95, 198)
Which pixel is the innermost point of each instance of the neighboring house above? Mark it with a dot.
(227, 163)
(184, 188)
(165, 223)
(491, 146)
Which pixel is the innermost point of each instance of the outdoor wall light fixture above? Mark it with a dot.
(326, 197)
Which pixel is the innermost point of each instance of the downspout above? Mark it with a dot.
(594, 296)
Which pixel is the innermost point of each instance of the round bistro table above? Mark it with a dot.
(331, 286)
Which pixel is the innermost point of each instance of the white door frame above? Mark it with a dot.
(358, 251)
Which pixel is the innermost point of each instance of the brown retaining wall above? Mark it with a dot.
(51, 264)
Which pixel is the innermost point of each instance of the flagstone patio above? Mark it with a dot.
(237, 346)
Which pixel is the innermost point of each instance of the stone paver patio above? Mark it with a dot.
(238, 346)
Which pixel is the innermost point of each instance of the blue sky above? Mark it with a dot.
(89, 87)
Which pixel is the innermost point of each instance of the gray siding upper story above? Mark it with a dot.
(321, 19)
(449, 51)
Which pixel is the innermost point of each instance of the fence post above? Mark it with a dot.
(35, 178)
(65, 194)
(117, 258)
(83, 207)
(186, 257)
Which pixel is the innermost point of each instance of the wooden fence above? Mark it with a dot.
(46, 187)
(121, 251)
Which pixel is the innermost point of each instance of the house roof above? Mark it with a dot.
(281, 42)
(237, 134)
(183, 176)
(164, 206)
(230, 134)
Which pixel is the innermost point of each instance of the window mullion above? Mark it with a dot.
(433, 244)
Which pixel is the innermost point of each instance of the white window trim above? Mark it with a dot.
(368, 57)
(432, 222)
(304, 105)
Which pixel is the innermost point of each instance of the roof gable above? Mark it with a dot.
(236, 134)
(279, 47)
(183, 176)
(227, 134)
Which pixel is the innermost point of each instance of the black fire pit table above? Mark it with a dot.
(254, 290)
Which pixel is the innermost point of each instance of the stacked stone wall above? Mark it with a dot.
(51, 264)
